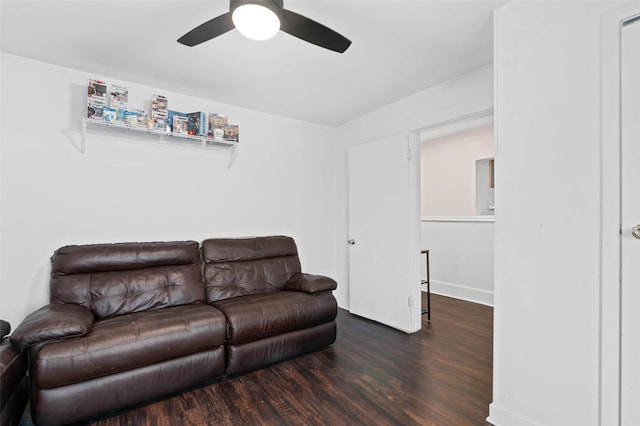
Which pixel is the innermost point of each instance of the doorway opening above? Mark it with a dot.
(457, 204)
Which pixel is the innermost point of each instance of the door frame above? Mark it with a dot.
(610, 374)
(440, 129)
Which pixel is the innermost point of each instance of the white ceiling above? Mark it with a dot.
(399, 47)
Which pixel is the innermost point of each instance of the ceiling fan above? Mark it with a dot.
(262, 19)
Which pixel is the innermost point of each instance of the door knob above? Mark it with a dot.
(636, 231)
(352, 242)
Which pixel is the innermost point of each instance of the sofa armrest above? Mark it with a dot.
(309, 283)
(54, 321)
(5, 328)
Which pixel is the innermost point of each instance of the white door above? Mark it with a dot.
(384, 220)
(630, 218)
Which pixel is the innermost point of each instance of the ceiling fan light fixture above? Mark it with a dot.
(262, 19)
(255, 21)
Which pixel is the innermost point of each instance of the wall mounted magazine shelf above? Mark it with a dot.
(157, 136)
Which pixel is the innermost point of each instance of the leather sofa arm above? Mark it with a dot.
(309, 283)
(54, 321)
(5, 328)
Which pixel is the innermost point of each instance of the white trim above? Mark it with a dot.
(461, 292)
(488, 218)
(456, 124)
(501, 417)
(494, 411)
(610, 199)
(413, 221)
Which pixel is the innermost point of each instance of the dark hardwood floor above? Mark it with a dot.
(372, 375)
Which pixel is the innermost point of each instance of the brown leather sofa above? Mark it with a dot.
(13, 379)
(129, 323)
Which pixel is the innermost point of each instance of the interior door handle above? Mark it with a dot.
(636, 231)
(352, 242)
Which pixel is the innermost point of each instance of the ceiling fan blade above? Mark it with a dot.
(313, 32)
(208, 30)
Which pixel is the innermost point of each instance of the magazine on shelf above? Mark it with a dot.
(159, 112)
(180, 125)
(231, 133)
(119, 100)
(130, 118)
(109, 115)
(218, 134)
(170, 115)
(142, 117)
(216, 121)
(197, 123)
(96, 99)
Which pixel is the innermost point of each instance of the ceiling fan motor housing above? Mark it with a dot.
(276, 6)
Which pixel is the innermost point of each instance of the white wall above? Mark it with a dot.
(461, 258)
(448, 171)
(547, 294)
(282, 182)
(464, 95)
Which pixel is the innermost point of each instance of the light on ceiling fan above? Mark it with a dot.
(256, 22)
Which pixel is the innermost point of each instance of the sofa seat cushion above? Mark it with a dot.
(258, 316)
(127, 342)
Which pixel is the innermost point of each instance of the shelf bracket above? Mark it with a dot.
(83, 139)
(233, 156)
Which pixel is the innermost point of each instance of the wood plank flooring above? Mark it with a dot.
(372, 375)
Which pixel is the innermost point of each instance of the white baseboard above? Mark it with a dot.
(501, 417)
(461, 292)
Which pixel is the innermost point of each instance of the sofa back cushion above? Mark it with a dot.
(241, 266)
(116, 279)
